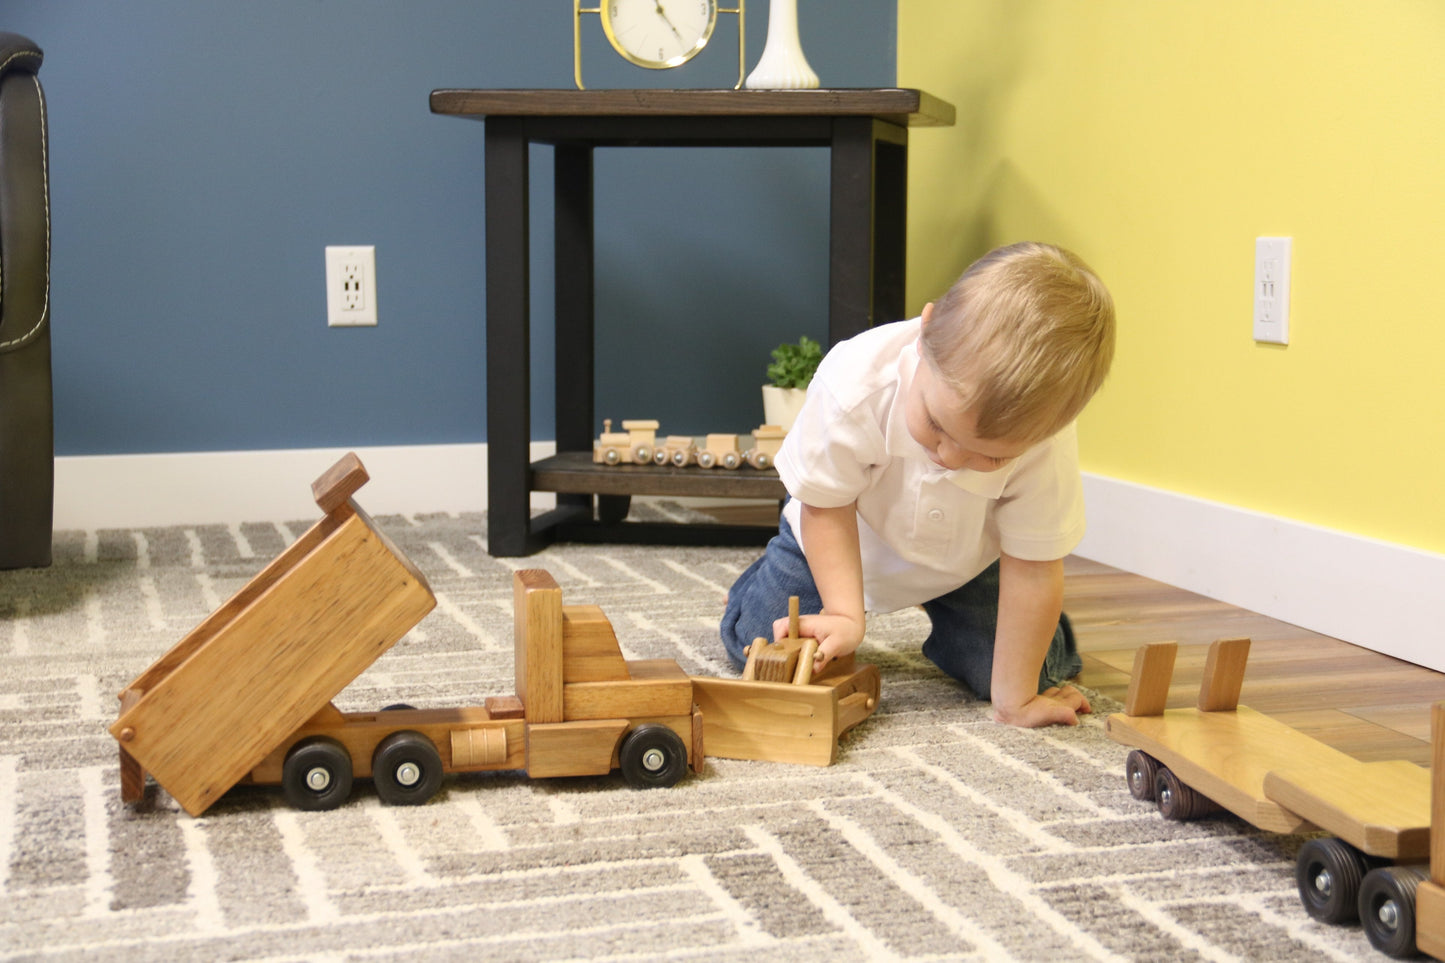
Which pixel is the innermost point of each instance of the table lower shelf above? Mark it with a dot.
(575, 474)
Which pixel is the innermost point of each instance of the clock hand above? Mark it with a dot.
(663, 14)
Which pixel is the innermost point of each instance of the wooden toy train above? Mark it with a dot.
(1381, 863)
(246, 696)
(637, 444)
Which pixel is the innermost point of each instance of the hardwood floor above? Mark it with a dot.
(1368, 705)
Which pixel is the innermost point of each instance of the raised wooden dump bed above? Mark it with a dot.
(273, 656)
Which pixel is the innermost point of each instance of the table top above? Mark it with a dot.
(898, 105)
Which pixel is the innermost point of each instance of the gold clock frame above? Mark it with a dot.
(578, 10)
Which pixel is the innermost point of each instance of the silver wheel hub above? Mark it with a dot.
(653, 760)
(318, 779)
(1389, 914)
(1324, 882)
(408, 774)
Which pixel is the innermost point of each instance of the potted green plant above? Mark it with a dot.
(792, 368)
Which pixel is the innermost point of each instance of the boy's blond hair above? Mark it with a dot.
(1025, 337)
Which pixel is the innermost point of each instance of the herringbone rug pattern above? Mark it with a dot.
(939, 835)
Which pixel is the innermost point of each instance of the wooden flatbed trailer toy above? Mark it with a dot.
(246, 696)
(1220, 754)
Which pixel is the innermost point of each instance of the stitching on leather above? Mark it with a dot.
(18, 53)
(45, 180)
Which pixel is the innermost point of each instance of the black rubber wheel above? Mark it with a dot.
(1140, 771)
(652, 757)
(1178, 801)
(317, 774)
(406, 768)
(1327, 873)
(1387, 908)
(396, 706)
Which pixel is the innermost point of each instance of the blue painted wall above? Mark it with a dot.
(202, 155)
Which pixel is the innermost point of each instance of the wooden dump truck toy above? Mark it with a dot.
(1380, 863)
(247, 695)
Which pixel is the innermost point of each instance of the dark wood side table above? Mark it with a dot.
(867, 134)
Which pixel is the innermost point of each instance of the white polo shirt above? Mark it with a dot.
(924, 530)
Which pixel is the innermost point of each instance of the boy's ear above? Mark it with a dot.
(927, 313)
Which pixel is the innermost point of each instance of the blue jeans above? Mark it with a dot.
(964, 621)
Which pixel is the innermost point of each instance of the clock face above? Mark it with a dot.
(659, 33)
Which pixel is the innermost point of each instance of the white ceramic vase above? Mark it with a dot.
(781, 405)
(783, 66)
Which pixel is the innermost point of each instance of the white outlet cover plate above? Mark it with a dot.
(1271, 289)
(338, 258)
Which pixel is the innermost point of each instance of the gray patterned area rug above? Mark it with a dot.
(939, 835)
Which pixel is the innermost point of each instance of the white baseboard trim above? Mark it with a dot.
(1375, 594)
(192, 488)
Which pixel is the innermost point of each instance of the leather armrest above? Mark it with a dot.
(19, 53)
(24, 197)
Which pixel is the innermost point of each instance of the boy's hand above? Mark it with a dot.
(1052, 707)
(837, 635)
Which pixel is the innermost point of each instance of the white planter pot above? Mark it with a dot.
(781, 405)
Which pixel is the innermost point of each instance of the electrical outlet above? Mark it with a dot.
(350, 285)
(1271, 289)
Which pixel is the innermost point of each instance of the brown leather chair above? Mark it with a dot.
(27, 436)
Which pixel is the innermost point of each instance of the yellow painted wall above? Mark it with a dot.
(1157, 139)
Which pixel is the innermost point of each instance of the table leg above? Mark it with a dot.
(868, 211)
(890, 222)
(508, 350)
(574, 342)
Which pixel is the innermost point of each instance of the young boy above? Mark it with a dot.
(935, 463)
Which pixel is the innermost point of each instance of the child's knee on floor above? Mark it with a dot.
(971, 662)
